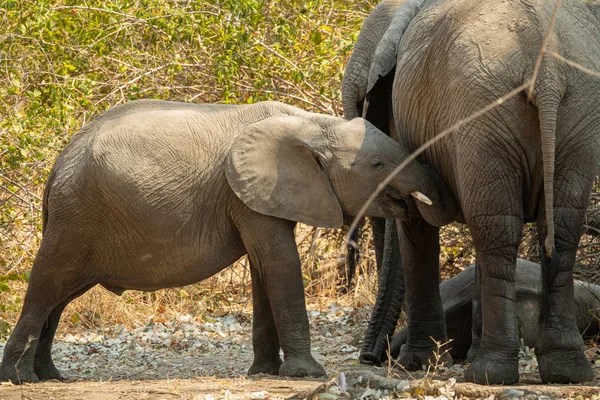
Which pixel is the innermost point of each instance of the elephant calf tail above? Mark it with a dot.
(45, 200)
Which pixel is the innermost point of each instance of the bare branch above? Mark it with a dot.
(573, 63)
(28, 192)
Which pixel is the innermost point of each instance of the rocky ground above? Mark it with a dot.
(190, 358)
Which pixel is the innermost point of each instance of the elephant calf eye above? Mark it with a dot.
(377, 163)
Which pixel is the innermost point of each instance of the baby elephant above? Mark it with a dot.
(457, 297)
(156, 194)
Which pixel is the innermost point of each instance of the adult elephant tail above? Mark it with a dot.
(548, 114)
(547, 102)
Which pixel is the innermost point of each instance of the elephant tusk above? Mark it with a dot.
(421, 197)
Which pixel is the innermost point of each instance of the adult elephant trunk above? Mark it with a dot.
(390, 294)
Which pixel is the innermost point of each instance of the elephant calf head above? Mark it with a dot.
(315, 169)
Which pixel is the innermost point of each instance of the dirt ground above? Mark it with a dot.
(191, 359)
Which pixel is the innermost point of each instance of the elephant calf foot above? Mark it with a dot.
(416, 359)
(270, 367)
(369, 358)
(301, 366)
(46, 371)
(492, 369)
(26, 374)
(564, 366)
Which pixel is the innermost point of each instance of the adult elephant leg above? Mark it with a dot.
(420, 249)
(559, 344)
(265, 340)
(390, 295)
(496, 239)
(43, 365)
(477, 319)
(271, 246)
(494, 213)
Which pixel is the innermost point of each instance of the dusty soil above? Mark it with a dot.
(189, 358)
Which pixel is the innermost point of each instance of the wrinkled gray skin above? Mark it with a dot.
(438, 62)
(156, 194)
(457, 300)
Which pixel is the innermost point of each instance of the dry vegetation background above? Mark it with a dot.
(62, 63)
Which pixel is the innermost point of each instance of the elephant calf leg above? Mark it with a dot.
(27, 353)
(273, 253)
(265, 340)
(43, 365)
(559, 346)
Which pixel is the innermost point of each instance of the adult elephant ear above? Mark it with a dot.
(378, 104)
(276, 168)
(356, 74)
(386, 53)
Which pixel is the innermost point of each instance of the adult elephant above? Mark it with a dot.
(532, 158)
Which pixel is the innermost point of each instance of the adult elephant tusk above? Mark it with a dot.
(421, 197)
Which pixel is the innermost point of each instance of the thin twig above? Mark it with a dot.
(12, 194)
(573, 63)
(29, 193)
(137, 78)
(30, 340)
(586, 256)
(11, 236)
(291, 96)
(313, 246)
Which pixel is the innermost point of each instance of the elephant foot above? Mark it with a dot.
(564, 366)
(45, 371)
(270, 367)
(301, 366)
(493, 369)
(26, 374)
(416, 360)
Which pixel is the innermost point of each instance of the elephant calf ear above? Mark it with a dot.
(273, 169)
